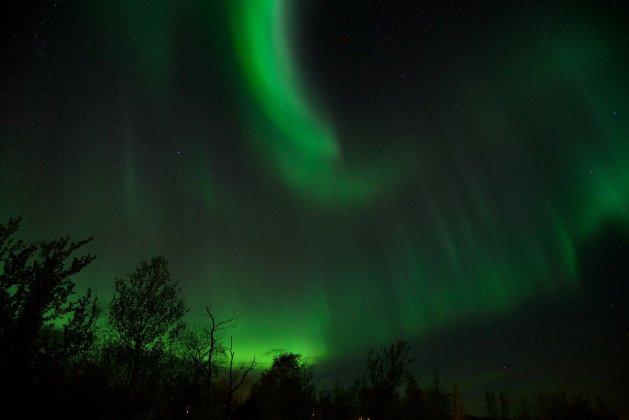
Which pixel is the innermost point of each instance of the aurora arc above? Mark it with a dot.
(496, 275)
(295, 138)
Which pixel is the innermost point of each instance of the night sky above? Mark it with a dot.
(343, 174)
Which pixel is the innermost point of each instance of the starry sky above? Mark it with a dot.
(343, 174)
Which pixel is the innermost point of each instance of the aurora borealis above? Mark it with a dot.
(342, 175)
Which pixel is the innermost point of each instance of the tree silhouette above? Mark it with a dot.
(336, 404)
(146, 310)
(524, 410)
(286, 389)
(491, 408)
(236, 377)
(505, 407)
(203, 347)
(387, 367)
(55, 362)
(414, 403)
(36, 284)
(559, 406)
(456, 401)
(439, 401)
(211, 349)
(79, 333)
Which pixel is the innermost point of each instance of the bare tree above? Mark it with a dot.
(237, 377)
(438, 398)
(491, 408)
(456, 402)
(204, 348)
(214, 348)
(505, 407)
(414, 404)
(524, 410)
(388, 367)
(386, 370)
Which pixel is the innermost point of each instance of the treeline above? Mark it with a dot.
(66, 356)
(539, 406)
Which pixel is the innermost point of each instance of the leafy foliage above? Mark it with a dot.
(145, 312)
(35, 284)
(286, 389)
(79, 333)
(148, 307)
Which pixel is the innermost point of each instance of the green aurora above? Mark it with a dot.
(293, 137)
(213, 144)
(306, 153)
